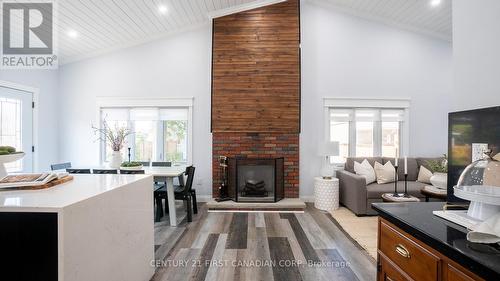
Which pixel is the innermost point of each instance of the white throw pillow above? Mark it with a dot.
(365, 170)
(385, 173)
(424, 175)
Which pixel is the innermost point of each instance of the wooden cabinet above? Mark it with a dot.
(416, 261)
(390, 272)
(403, 257)
(455, 274)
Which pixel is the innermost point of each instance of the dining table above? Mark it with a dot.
(166, 175)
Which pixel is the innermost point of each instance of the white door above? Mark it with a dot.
(16, 126)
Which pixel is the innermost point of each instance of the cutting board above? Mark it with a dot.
(44, 186)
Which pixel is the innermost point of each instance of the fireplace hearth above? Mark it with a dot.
(256, 180)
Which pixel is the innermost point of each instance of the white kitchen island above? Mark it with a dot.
(96, 227)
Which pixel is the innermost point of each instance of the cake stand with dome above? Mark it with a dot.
(484, 200)
(8, 158)
(479, 183)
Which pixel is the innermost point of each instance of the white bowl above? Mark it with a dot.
(11, 157)
(136, 168)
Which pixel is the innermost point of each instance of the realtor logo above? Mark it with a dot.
(28, 36)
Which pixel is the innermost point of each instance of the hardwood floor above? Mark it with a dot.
(258, 246)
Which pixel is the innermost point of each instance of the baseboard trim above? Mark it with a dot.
(208, 198)
(204, 198)
(308, 199)
(255, 211)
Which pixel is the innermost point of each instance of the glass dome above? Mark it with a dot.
(484, 172)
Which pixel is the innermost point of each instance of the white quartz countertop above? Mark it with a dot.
(55, 198)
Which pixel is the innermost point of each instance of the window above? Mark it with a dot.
(366, 132)
(339, 132)
(16, 124)
(10, 128)
(158, 134)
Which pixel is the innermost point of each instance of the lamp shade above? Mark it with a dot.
(329, 148)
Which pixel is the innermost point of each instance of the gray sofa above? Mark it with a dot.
(358, 197)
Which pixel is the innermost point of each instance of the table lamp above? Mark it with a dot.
(325, 150)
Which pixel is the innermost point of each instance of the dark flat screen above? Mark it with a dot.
(465, 128)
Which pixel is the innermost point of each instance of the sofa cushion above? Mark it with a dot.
(412, 167)
(384, 173)
(375, 190)
(424, 175)
(349, 164)
(365, 170)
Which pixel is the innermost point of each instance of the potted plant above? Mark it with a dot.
(131, 165)
(116, 138)
(8, 154)
(439, 168)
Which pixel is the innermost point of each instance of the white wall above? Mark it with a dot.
(342, 56)
(346, 56)
(178, 66)
(46, 82)
(476, 54)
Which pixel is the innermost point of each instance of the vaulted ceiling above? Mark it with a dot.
(86, 28)
(417, 15)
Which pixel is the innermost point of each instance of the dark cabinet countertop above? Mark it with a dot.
(444, 236)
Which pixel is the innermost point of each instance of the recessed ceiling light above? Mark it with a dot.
(72, 33)
(435, 3)
(162, 9)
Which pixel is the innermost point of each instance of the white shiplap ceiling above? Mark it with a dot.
(415, 15)
(105, 25)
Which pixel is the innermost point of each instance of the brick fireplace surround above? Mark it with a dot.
(258, 145)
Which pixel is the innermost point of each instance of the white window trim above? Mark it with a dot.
(370, 103)
(119, 102)
(35, 92)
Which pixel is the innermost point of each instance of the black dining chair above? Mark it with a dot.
(144, 163)
(105, 171)
(180, 186)
(131, 172)
(60, 166)
(78, 171)
(161, 164)
(180, 193)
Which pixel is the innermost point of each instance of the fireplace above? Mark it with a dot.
(256, 106)
(256, 179)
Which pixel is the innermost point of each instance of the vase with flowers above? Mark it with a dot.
(116, 138)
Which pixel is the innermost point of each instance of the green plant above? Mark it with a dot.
(6, 150)
(174, 156)
(9, 149)
(176, 129)
(131, 164)
(116, 136)
(439, 166)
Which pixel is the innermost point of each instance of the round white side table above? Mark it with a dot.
(326, 194)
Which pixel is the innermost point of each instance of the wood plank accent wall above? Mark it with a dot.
(256, 70)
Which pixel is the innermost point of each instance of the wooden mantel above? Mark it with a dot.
(256, 70)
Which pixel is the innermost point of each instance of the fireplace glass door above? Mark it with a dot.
(257, 180)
